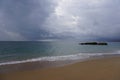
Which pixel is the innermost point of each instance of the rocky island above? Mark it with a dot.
(94, 43)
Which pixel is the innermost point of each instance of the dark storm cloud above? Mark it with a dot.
(51, 19)
(87, 19)
(23, 18)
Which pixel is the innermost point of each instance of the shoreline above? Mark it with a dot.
(106, 68)
(33, 66)
(37, 65)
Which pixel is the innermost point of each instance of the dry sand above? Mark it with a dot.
(99, 69)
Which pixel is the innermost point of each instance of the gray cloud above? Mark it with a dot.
(51, 19)
(87, 19)
(24, 17)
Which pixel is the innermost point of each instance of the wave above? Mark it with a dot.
(79, 56)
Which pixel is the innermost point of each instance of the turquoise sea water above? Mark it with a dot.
(21, 51)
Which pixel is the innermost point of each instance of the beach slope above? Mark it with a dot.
(98, 69)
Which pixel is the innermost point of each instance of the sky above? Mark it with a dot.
(34, 20)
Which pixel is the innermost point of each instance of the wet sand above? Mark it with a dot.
(96, 69)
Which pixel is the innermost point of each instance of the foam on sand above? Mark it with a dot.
(98, 69)
(79, 56)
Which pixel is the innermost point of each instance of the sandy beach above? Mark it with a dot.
(96, 69)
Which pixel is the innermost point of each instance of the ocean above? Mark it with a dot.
(15, 52)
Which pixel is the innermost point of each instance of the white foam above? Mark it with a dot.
(61, 58)
(118, 51)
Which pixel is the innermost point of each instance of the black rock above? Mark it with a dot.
(94, 43)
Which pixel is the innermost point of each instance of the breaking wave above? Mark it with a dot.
(79, 56)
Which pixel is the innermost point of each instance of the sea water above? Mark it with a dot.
(14, 52)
